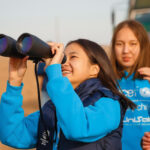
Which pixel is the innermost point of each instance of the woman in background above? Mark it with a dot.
(130, 58)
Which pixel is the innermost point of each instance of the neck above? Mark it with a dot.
(127, 69)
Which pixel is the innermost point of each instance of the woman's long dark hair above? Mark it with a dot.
(106, 75)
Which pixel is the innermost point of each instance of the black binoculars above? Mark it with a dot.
(26, 45)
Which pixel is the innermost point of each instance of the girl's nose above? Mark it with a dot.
(126, 48)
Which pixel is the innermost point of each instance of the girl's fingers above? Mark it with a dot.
(143, 68)
(58, 47)
(25, 58)
(57, 50)
(144, 71)
(147, 134)
(146, 141)
(51, 43)
(146, 147)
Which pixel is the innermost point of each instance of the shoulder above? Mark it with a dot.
(108, 103)
(142, 82)
(109, 109)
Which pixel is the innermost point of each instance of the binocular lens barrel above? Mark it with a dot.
(32, 46)
(26, 44)
(3, 44)
(8, 47)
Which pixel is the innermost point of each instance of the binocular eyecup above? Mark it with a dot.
(8, 47)
(26, 45)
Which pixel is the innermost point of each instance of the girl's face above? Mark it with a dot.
(127, 48)
(78, 67)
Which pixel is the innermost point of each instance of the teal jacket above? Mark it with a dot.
(86, 124)
(135, 122)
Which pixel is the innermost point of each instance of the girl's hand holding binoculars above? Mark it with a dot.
(17, 69)
(58, 52)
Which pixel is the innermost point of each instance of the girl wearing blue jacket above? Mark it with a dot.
(85, 110)
(131, 62)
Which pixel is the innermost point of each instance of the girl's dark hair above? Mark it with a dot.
(144, 56)
(97, 55)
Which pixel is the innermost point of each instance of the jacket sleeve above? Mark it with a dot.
(16, 130)
(86, 124)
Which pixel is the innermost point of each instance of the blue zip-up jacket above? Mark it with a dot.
(138, 121)
(89, 92)
(85, 124)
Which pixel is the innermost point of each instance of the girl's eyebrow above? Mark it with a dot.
(133, 40)
(129, 40)
(70, 53)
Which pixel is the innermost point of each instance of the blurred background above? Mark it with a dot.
(62, 21)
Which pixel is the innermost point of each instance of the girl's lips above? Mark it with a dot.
(66, 72)
(126, 59)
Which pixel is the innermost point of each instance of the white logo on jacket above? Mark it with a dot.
(44, 139)
(145, 92)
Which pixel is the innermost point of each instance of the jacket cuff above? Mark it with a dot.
(15, 90)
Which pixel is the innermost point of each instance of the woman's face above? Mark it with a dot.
(127, 48)
(77, 67)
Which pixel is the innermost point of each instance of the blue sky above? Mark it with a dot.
(61, 20)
